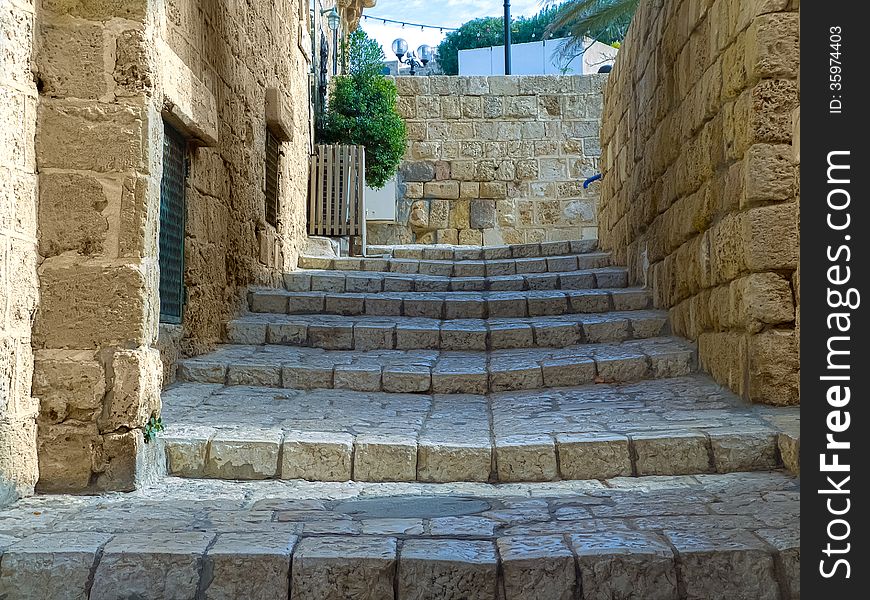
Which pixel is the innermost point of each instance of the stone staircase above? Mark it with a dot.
(450, 422)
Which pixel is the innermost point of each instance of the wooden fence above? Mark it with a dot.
(336, 193)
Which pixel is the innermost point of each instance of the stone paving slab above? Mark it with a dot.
(430, 330)
(475, 371)
(456, 252)
(449, 305)
(462, 267)
(326, 280)
(684, 425)
(459, 268)
(714, 537)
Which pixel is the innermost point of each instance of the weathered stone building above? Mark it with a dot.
(103, 102)
(497, 160)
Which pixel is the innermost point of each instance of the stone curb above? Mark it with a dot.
(274, 565)
(460, 268)
(448, 252)
(450, 305)
(254, 453)
(442, 372)
(364, 333)
(379, 281)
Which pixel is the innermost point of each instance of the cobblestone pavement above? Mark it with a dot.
(695, 537)
(672, 426)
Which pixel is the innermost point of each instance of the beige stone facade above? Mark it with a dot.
(87, 89)
(700, 185)
(497, 160)
(19, 290)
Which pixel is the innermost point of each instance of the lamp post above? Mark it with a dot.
(420, 58)
(507, 37)
(333, 21)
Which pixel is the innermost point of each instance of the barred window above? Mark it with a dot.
(273, 155)
(173, 208)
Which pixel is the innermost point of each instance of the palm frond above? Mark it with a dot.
(588, 17)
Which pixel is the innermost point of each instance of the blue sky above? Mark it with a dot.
(449, 13)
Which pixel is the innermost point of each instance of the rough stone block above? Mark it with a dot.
(742, 449)
(385, 458)
(525, 458)
(360, 377)
(593, 456)
(186, 449)
(71, 60)
(137, 379)
(249, 565)
(438, 569)
(407, 378)
(671, 453)
(537, 567)
(316, 456)
(92, 136)
(244, 454)
(625, 564)
(91, 305)
(724, 563)
(67, 381)
(442, 461)
(337, 568)
(163, 564)
(61, 562)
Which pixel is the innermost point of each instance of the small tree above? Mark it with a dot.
(362, 110)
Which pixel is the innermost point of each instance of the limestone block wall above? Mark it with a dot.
(97, 372)
(498, 160)
(19, 288)
(240, 51)
(700, 188)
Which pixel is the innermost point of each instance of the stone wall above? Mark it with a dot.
(97, 373)
(252, 61)
(18, 253)
(497, 160)
(700, 184)
(110, 75)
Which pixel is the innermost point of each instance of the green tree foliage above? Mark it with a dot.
(489, 31)
(362, 110)
(604, 20)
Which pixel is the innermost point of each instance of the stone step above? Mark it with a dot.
(703, 537)
(677, 426)
(336, 332)
(377, 281)
(460, 268)
(450, 305)
(441, 371)
(454, 252)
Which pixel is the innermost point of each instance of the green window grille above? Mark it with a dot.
(273, 153)
(172, 214)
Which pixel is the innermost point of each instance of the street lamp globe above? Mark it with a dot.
(424, 53)
(400, 48)
(333, 19)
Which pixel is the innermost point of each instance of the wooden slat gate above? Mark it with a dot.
(336, 205)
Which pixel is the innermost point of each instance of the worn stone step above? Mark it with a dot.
(703, 537)
(441, 371)
(460, 268)
(337, 332)
(675, 426)
(450, 305)
(377, 281)
(455, 252)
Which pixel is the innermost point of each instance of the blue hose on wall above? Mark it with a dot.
(590, 180)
